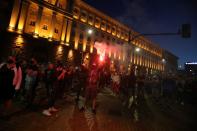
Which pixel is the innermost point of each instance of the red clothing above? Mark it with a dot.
(91, 90)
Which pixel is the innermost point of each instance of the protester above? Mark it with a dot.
(7, 82)
(50, 78)
(91, 89)
(115, 83)
(81, 77)
(17, 78)
(31, 82)
(76, 83)
(61, 73)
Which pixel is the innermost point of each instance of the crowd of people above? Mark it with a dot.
(20, 78)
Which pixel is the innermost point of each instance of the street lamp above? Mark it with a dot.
(90, 31)
(163, 60)
(137, 49)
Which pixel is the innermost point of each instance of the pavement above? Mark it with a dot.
(111, 115)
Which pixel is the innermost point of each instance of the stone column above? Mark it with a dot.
(76, 39)
(23, 16)
(68, 31)
(63, 35)
(14, 15)
(92, 45)
(39, 16)
(52, 27)
(84, 41)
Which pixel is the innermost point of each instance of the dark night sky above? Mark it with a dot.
(156, 16)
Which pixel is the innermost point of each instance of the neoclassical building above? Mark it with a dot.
(76, 24)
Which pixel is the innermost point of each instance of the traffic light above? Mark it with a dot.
(186, 31)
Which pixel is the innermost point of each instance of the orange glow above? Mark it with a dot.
(101, 58)
(114, 55)
(35, 35)
(119, 57)
(91, 48)
(68, 32)
(83, 20)
(19, 41)
(70, 55)
(76, 45)
(76, 16)
(97, 25)
(109, 54)
(10, 29)
(84, 46)
(59, 49)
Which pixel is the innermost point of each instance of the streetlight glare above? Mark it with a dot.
(137, 49)
(90, 31)
(163, 60)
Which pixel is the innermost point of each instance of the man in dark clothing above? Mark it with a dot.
(131, 88)
(76, 82)
(80, 80)
(7, 88)
(50, 78)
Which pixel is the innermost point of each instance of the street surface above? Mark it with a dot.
(111, 115)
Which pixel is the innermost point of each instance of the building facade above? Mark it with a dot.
(170, 62)
(191, 69)
(76, 24)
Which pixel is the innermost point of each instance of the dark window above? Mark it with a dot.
(60, 6)
(32, 23)
(103, 24)
(90, 18)
(81, 36)
(76, 12)
(45, 27)
(74, 24)
(97, 21)
(113, 29)
(108, 27)
(73, 33)
(83, 14)
(82, 27)
(56, 31)
(49, 1)
(89, 39)
(118, 32)
(102, 35)
(96, 33)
